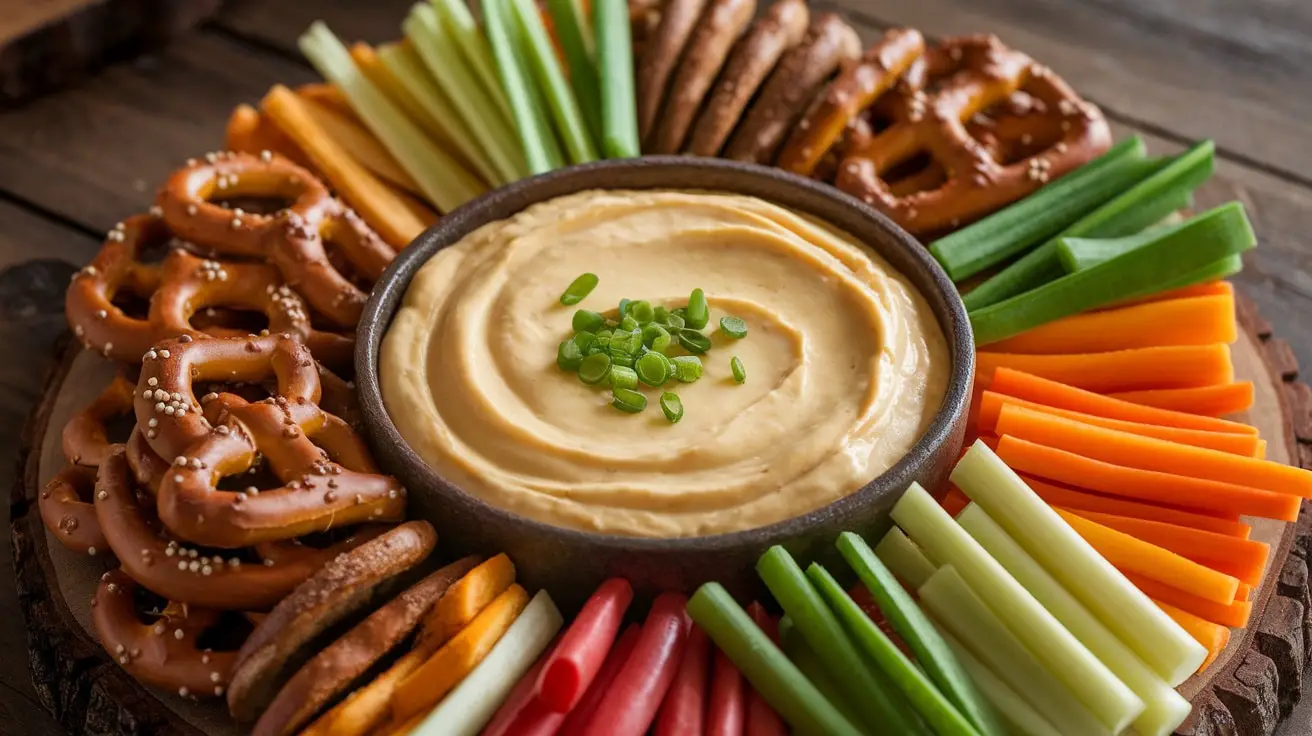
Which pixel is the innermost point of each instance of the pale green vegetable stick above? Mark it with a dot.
(541, 57)
(1017, 713)
(535, 136)
(904, 559)
(473, 45)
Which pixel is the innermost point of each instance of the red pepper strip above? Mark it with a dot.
(633, 698)
(523, 714)
(761, 718)
(578, 719)
(572, 666)
(683, 710)
(727, 712)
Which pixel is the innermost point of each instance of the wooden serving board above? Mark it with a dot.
(1252, 686)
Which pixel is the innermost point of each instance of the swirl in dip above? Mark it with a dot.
(846, 365)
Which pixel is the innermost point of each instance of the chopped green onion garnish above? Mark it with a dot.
(733, 327)
(698, 313)
(656, 337)
(669, 364)
(588, 321)
(627, 340)
(652, 370)
(594, 369)
(624, 307)
(621, 377)
(569, 356)
(622, 357)
(694, 341)
(579, 288)
(642, 311)
(672, 406)
(687, 368)
(629, 323)
(739, 372)
(602, 342)
(661, 315)
(674, 320)
(628, 400)
(586, 342)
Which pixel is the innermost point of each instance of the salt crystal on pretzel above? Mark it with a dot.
(297, 246)
(67, 511)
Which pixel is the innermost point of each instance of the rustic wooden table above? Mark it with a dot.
(74, 163)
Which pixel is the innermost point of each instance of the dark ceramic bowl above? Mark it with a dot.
(571, 563)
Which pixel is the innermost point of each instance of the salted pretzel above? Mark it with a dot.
(297, 247)
(773, 34)
(829, 44)
(68, 513)
(164, 652)
(855, 89)
(187, 204)
(85, 438)
(660, 55)
(186, 575)
(147, 467)
(712, 39)
(192, 283)
(118, 270)
(980, 72)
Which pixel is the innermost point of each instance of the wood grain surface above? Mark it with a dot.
(74, 163)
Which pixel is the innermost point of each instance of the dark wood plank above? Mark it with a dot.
(280, 23)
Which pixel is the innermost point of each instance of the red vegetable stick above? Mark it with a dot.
(682, 712)
(573, 664)
(523, 714)
(764, 621)
(633, 698)
(955, 501)
(578, 719)
(761, 718)
(726, 713)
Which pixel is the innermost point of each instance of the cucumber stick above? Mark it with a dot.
(619, 106)
(904, 559)
(559, 95)
(1012, 708)
(1170, 254)
(576, 41)
(536, 138)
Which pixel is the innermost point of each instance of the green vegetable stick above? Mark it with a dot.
(864, 687)
(930, 527)
(576, 41)
(795, 646)
(957, 607)
(937, 710)
(1147, 202)
(560, 98)
(1164, 708)
(1041, 215)
(904, 559)
(619, 108)
(915, 629)
(444, 180)
(777, 680)
(519, 46)
(1013, 709)
(473, 45)
(523, 107)
(1171, 253)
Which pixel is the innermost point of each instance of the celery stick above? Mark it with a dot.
(808, 662)
(865, 688)
(576, 42)
(1173, 252)
(443, 180)
(464, 31)
(930, 527)
(1149, 632)
(542, 120)
(1021, 226)
(403, 62)
(1164, 708)
(784, 687)
(1018, 714)
(438, 52)
(533, 137)
(619, 108)
(904, 559)
(560, 98)
(937, 710)
(915, 629)
(957, 607)
(1147, 202)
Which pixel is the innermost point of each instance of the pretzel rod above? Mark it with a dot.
(660, 54)
(67, 511)
(85, 438)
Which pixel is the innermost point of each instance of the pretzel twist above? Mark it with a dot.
(85, 438)
(118, 269)
(297, 246)
(147, 467)
(191, 284)
(68, 513)
(164, 652)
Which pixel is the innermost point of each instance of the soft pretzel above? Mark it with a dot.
(829, 44)
(191, 284)
(185, 200)
(660, 55)
(721, 24)
(163, 652)
(68, 513)
(297, 248)
(148, 468)
(855, 89)
(770, 37)
(119, 269)
(982, 72)
(85, 438)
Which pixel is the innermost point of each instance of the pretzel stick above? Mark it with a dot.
(660, 55)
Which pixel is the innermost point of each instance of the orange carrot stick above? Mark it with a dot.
(1234, 615)
(240, 132)
(1208, 634)
(1211, 288)
(1080, 502)
(363, 146)
(1244, 559)
(1208, 496)
(991, 404)
(1209, 401)
(329, 96)
(955, 501)
(1051, 393)
(1244, 593)
(1147, 453)
(1151, 561)
(1187, 366)
(1201, 320)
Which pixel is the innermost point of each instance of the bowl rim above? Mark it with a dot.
(389, 291)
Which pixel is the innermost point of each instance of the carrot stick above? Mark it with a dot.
(523, 714)
(1208, 401)
(1234, 615)
(1051, 393)
(1187, 366)
(1210, 288)
(329, 96)
(633, 698)
(991, 404)
(762, 720)
(250, 132)
(362, 146)
(1208, 634)
(572, 666)
(726, 713)
(240, 132)
(955, 501)
(1244, 592)
(578, 718)
(1201, 320)
(684, 708)
(1243, 559)
(466, 598)
(420, 210)
(1209, 496)
(427, 685)
(1080, 502)
(1149, 560)
(1147, 453)
(366, 57)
